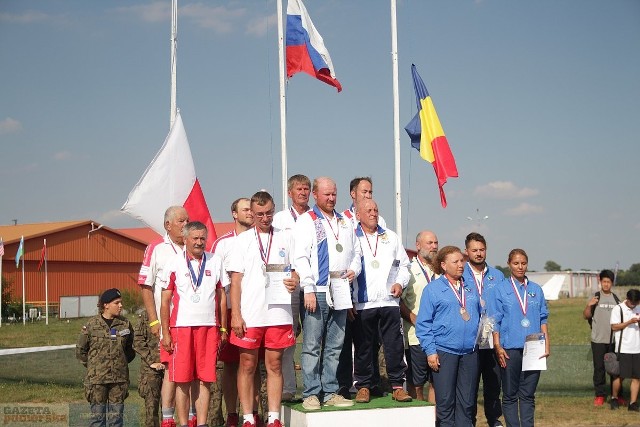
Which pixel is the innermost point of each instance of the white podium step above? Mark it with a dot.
(379, 412)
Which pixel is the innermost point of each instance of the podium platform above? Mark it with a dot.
(381, 411)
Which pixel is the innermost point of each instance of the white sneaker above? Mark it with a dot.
(311, 403)
(338, 401)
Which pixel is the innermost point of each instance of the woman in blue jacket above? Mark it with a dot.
(447, 328)
(519, 309)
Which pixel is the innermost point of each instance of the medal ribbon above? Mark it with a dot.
(424, 271)
(523, 303)
(265, 253)
(462, 298)
(201, 264)
(336, 235)
(367, 237)
(293, 214)
(478, 285)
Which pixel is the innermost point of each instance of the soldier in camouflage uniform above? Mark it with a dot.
(146, 345)
(105, 348)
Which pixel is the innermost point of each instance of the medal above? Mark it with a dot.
(281, 253)
(482, 303)
(264, 253)
(339, 247)
(196, 281)
(465, 314)
(522, 302)
(375, 263)
(478, 285)
(462, 300)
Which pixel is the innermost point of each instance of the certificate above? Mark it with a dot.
(534, 348)
(394, 268)
(275, 290)
(340, 291)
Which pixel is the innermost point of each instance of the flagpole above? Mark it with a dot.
(396, 117)
(283, 104)
(174, 42)
(24, 309)
(46, 285)
(1, 255)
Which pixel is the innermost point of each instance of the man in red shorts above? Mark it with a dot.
(261, 286)
(192, 300)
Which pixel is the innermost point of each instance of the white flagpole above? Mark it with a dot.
(283, 104)
(1, 286)
(24, 299)
(174, 42)
(46, 284)
(396, 117)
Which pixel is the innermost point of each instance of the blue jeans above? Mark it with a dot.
(518, 391)
(323, 337)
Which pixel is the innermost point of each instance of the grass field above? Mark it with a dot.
(564, 395)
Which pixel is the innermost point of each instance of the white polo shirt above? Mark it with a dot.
(286, 219)
(222, 247)
(246, 258)
(193, 305)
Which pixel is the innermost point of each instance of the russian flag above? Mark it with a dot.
(305, 48)
(428, 137)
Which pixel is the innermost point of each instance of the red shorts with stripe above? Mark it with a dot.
(195, 352)
(272, 337)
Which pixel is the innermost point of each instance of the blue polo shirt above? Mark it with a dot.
(439, 325)
(503, 305)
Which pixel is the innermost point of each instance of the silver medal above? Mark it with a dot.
(525, 323)
(375, 263)
(195, 298)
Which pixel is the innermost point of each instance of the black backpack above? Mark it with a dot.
(593, 308)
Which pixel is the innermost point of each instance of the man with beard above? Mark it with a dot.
(485, 278)
(422, 272)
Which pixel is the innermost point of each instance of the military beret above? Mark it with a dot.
(109, 295)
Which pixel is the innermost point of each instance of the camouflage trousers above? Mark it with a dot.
(149, 387)
(107, 403)
(216, 416)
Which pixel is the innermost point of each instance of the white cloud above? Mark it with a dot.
(28, 17)
(62, 155)
(259, 26)
(525, 208)
(220, 19)
(504, 190)
(10, 125)
(153, 12)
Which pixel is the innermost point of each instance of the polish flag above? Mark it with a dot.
(170, 180)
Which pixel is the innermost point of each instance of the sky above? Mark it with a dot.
(539, 102)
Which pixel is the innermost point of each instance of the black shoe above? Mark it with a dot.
(344, 392)
(376, 391)
(634, 407)
(614, 403)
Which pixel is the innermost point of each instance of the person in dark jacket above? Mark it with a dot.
(146, 345)
(105, 348)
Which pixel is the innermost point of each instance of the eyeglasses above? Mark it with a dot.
(264, 214)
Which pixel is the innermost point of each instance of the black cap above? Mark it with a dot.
(109, 295)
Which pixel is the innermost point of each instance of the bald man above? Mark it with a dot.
(327, 255)
(422, 272)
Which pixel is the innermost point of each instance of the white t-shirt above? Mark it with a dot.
(285, 219)
(351, 214)
(156, 256)
(246, 258)
(222, 247)
(630, 334)
(193, 305)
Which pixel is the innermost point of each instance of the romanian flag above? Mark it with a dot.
(428, 137)
(305, 47)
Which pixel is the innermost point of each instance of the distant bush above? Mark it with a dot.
(131, 300)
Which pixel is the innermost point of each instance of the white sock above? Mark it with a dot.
(250, 418)
(273, 416)
(168, 413)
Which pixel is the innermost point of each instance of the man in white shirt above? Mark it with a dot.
(193, 301)
(156, 256)
(327, 254)
(261, 287)
(298, 189)
(421, 269)
(625, 320)
(376, 293)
